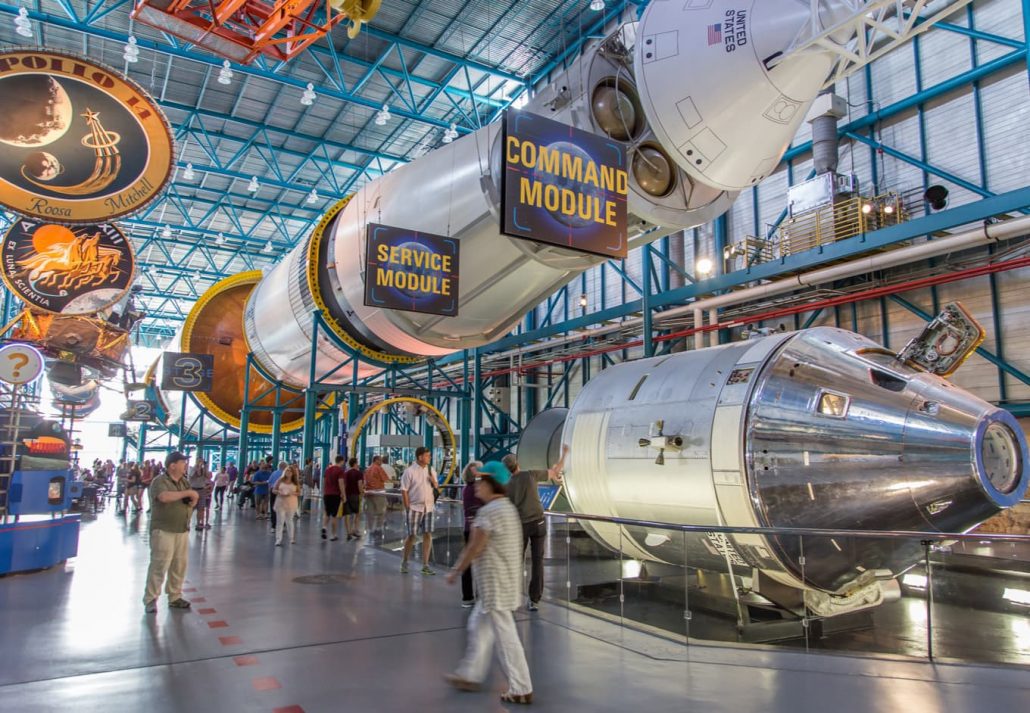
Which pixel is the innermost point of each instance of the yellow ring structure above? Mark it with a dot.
(314, 247)
(352, 445)
(243, 278)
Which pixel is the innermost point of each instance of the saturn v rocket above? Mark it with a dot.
(705, 96)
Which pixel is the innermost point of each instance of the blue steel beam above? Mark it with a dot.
(928, 94)
(799, 262)
(212, 61)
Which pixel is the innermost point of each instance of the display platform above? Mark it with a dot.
(38, 544)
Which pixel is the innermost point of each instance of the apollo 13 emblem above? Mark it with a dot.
(63, 270)
(80, 143)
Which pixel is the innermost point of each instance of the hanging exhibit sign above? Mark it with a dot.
(81, 143)
(187, 372)
(66, 270)
(563, 186)
(411, 271)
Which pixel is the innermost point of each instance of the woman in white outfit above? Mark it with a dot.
(287, 491)
(496, 548)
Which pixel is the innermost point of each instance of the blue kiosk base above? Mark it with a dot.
(38, 544)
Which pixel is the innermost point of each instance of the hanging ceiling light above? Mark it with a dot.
(166, 232)
(188, 174)
(383, 116)
(225, 73)
(451, 134)
(309, 96)
(219, 239)
(131, 54)
(597, 5)
(22, 23)
(267, 248)
(313, 196)
(704, 266)
(253, 186)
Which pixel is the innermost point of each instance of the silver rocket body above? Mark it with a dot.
(820, 428)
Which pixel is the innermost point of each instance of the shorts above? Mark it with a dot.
(331, 503)
(418, 523)
(375, 503)
(353, 505)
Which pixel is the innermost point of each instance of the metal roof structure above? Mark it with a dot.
(436, 64)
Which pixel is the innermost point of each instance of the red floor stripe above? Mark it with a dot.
(198, 600)
(245, 660)
(190, 589)
(230, 640)
(218, 624)
(266, 683)
(205, 612)
(288, 709)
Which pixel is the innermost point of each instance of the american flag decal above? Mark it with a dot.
(715, 34)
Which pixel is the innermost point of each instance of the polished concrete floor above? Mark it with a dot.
(333, 626)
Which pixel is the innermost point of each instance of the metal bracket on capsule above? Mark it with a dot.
(661, 442)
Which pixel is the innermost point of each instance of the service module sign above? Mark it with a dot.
(411, 271)
(563, 186)
(183, 371)
(79, 142)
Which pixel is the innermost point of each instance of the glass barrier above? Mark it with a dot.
(912, 595)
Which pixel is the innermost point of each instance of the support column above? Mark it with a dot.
(310, 395)
(277, 425)
(465, 409)
(645, 284)
(477, 405)
(243, 456)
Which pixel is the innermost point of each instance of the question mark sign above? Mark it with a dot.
(22, 360)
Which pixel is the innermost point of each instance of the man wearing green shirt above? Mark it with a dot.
(172, 502)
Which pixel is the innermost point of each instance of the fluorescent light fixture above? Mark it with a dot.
(268, 247)
(220, 239)
(451, 134)
(166, 232)
(131, 51)
(225, 73)
(22, 23)
(597, 5)
(704, 266)
(253, 186)
(916, 581)
(1018, 596)
(313, 196)
(382, 116)
(309, 96)
(188, 174)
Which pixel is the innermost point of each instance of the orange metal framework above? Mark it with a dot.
(240, 30)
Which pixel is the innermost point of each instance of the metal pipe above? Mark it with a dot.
(997, 232)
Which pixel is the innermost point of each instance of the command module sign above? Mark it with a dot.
(563, 186)
(187, 372)
(411, 271)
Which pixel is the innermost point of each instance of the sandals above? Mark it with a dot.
(521, 698)
(462, 684)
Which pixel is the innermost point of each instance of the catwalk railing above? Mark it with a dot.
(965, 597)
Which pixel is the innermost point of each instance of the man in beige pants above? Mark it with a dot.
(172, 502)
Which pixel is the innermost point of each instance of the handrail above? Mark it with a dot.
(866, 534)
